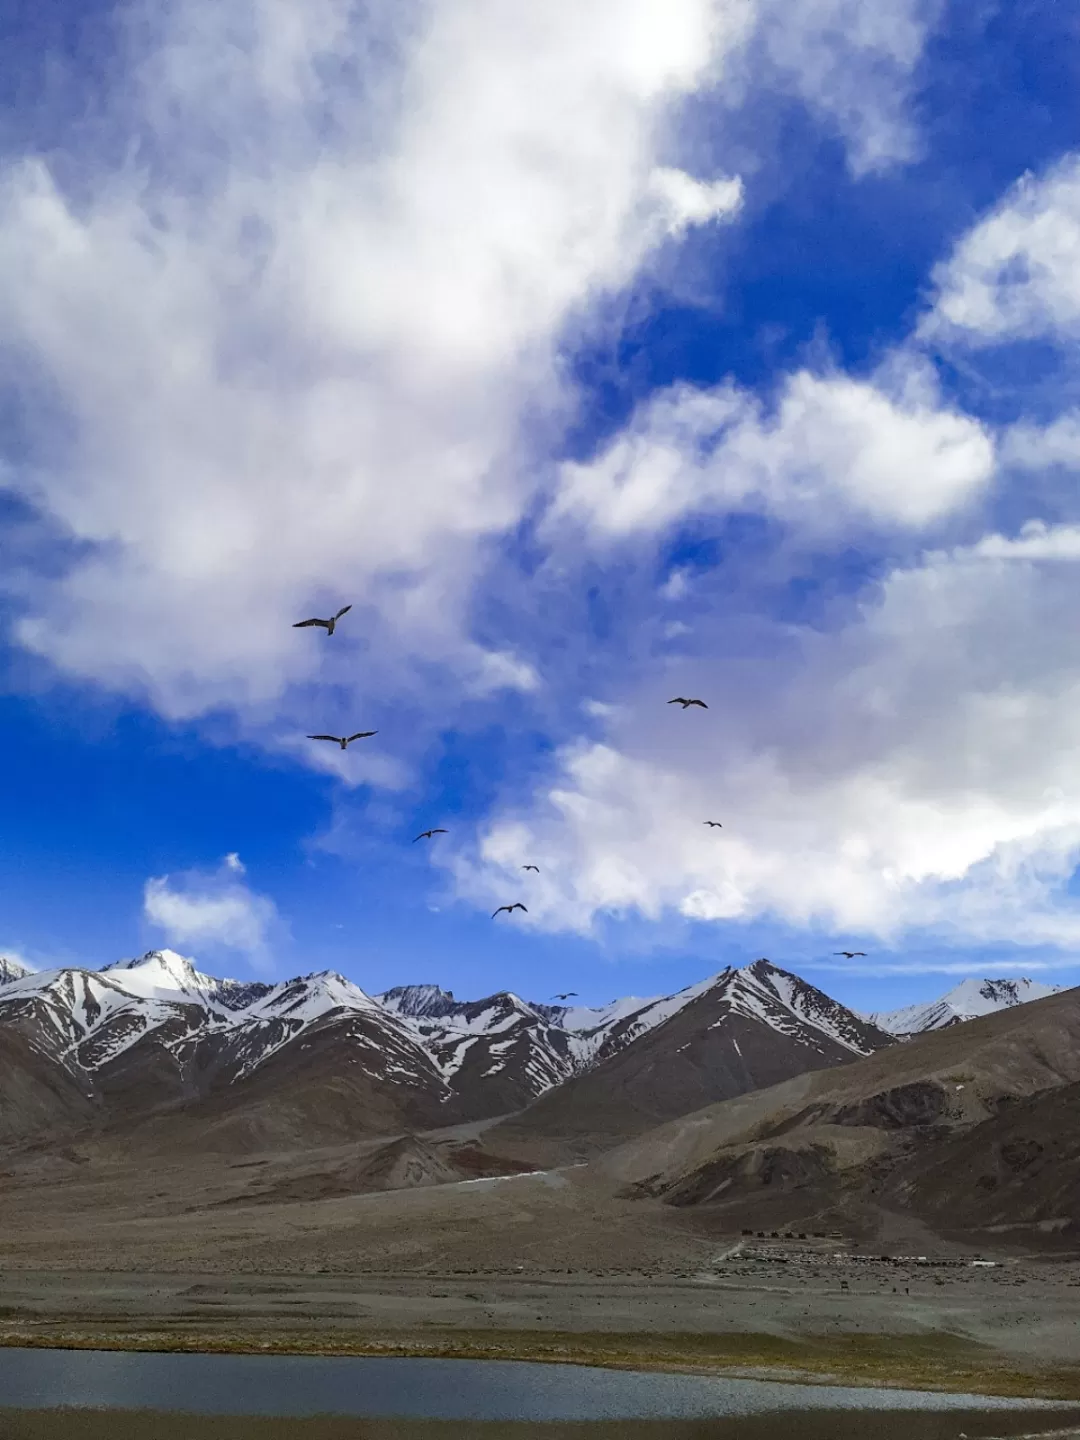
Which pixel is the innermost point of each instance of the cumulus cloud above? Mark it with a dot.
(1016, 274)
(282, 350)
(281, 354)
(290, 353)
(212, 908)
(914, 769)
(835, 449)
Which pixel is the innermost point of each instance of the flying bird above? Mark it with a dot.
(682, 700)
(328, 625)
(715, 823)
(849, 954)
(532, 867)
(345, 740)
(427, 834)
(517, 905)
(565, 996)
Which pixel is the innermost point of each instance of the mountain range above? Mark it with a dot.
(971, 1127)
(155, 1042)
(966, 1001)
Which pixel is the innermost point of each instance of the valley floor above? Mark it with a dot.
(550, 1265)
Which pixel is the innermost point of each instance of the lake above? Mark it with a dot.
(322, 1396)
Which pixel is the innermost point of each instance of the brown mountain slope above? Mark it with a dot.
(37, 1097)
(343, 1081)
(1020, 1167)
(915, 1127)
(740, 1035)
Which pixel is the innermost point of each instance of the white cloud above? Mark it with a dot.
(1036, 541)
(281, 353)
(835, 450)
(501, 670)
(211, 908)
(286, 359)
(686, 201)
(677, 585)
(852, 63)
(291, 354)
(1038, 447)
(916, 965)
(916, 769)
(1016, 274)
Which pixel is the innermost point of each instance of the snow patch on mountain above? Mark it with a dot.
(165, 975)
(422, 1034)
(11, 969)
(966, 1001)
(415, 1001)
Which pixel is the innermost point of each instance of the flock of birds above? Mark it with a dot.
(346, 740)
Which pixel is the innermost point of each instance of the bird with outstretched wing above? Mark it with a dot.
(427, 834)
(685, 703)
(532, 867)
(850, 954)
(517, 905)
(345, 740)
(565, 996)
(328, 625)
(714, 823)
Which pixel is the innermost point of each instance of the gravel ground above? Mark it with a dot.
(104, 1250)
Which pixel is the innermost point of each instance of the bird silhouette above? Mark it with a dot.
(849, 954)
(532, 867)
(714, 823)
(517, 905)
(682, 700)
(328, 625)
(565, 996)
(427, 834)
(345, 740)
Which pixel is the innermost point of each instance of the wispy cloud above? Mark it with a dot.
(977, 968)
(853, 65)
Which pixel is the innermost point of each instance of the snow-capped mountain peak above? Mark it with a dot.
(418, 1000)
(12, 970)
(966, 1001)
(161, 975)
(158, 1025)
(165, 975)
(788, 1004)
(309, 997)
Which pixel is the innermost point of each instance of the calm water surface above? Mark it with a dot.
(371, 1388)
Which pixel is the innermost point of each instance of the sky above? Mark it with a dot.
(594, 355)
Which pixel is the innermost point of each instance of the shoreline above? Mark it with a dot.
(939, 1364)
(86, 1424)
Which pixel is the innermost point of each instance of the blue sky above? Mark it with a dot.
(680, 348)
